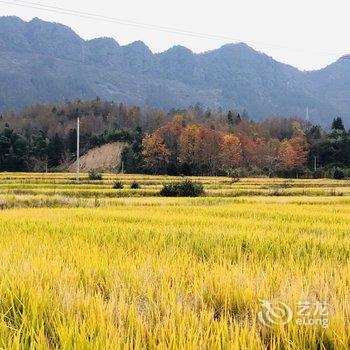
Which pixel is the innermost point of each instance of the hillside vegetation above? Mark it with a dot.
(188, 142)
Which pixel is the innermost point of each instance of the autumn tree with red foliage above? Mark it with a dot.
(200, 149)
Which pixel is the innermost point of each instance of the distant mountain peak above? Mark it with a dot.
(179, 49)
(138, 45)
(236, 45)
(344, 60)
(11, 18)
(37, 19)
(48, 62)
(104, 41)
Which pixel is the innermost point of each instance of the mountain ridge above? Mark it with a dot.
(48, 62)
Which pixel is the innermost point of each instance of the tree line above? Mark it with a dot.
(194, 141)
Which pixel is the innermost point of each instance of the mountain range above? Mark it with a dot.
(48, 62)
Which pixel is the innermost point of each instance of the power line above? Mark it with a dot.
(87, 15)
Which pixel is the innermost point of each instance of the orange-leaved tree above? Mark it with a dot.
(171, 134)
(155, 154)
(231, 152)
(200, 149)
(293, 153)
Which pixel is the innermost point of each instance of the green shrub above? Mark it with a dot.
(94, 175)
(318, 174)
(338, 174)
(233, 174)
(182, 189)
(118, 185)
(333, 192)
(135, 185)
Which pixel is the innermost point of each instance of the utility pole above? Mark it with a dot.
(315, 163)
(78, 148)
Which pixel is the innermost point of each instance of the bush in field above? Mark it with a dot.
(94, 175)
(233, 174)
(338, 174)
(135, 185)
(118, 185)
(185, 188)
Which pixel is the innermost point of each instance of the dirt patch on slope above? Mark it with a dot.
(103, 158)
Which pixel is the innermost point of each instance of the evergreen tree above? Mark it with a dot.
(55, 151)
(338, 124)
(13, 150)
(39, 145)
(230, 118)
(72, 141)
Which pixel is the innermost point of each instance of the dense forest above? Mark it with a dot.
(189, 142)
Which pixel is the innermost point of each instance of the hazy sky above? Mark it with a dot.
(308, 34)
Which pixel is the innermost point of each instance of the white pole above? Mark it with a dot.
(78, 148)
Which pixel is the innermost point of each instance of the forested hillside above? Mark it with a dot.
(189, 142)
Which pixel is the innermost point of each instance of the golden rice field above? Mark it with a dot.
(85, 266)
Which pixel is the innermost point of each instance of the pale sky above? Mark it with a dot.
(307, 34)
